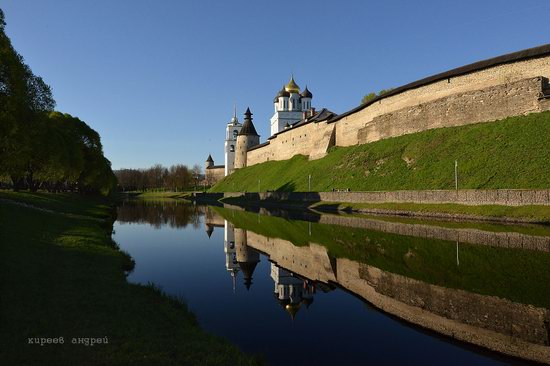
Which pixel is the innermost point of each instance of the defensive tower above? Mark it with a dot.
(246, 138)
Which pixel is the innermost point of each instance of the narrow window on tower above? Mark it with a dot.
(232, 148)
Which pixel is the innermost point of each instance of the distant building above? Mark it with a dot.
(212, 173)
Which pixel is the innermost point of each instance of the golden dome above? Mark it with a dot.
(292, 87)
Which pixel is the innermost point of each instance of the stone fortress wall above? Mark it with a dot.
(509, 85)
(214, 174)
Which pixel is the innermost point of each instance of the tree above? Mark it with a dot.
(176, 178)
(40, 148)
(370, 96)
(197, 174)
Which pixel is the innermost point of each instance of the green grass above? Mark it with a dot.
(519, 275)
(61, 275)
(511, 153)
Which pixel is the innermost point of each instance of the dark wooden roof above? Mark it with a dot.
(215, 167)
(248, 129)
(476, 66)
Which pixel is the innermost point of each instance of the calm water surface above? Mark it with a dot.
(303, 290)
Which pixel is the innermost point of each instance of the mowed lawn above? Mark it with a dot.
(61, 275)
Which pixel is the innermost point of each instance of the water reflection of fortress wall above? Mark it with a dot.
(501, 239)
(508, 85)
(487, 321)
(496, 323)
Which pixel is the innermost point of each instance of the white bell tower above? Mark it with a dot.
(231, 132)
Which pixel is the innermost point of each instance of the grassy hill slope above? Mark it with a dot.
(510, 153)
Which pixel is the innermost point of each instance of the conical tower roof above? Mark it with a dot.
(209, 159)
(248, 127)
(209, 230)
(248, 269)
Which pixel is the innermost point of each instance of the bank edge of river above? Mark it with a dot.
(533, 214)
(63, 276)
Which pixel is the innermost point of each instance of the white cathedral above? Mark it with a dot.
(289, 105)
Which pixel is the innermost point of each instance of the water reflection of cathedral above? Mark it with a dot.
(290, 291)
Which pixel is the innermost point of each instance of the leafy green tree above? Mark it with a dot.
(370, 96)
(39, 148)
(24, 98)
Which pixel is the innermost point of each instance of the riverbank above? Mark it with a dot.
(63, 278)
(538, 214)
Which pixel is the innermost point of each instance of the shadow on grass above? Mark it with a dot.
(287, 187)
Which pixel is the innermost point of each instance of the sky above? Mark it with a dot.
(158, 79)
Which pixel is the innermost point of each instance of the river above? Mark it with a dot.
(305, 288)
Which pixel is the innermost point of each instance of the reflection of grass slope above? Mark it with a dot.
(61, 275)
(512, 153)
(518, 275)
(532, 229)
(539, 214)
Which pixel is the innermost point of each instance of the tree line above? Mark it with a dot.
(39, 147)
(175, 178)
(176, 215)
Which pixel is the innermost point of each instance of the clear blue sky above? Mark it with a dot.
(158, 79)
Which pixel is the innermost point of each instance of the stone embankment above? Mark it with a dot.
(474, 197)
(335, 201)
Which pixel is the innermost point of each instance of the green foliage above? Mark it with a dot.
(177, 178)
(370, 96)
(2, 21)
(511, 153)
(39, 148)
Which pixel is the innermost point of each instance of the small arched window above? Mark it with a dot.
(232, 148)
(235, 133)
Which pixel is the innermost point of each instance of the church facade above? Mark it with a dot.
(290, 107)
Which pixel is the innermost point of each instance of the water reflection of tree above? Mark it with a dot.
(157, 214)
